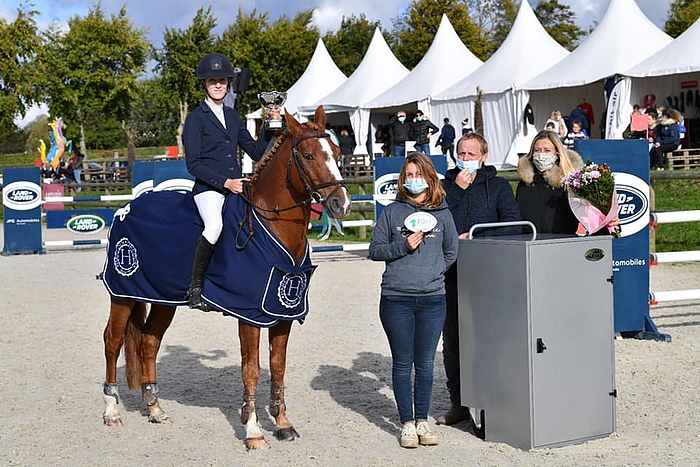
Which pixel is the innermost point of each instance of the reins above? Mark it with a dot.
(314, 196)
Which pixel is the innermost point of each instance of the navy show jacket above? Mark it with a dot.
(210, 148)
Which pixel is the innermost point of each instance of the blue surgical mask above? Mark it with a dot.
(416, 185)
(402, 119)
(472, 165)
(419, 118)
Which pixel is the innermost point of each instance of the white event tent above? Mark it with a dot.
(623, 38)
(672, 71)
(526, 51)
(446, 61)
(378, 71)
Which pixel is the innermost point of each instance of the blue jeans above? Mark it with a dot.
(424, 148)
(399, 150)
(413, 326)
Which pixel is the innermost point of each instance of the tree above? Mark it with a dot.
(276, 54)
(19, 44)
(682, 15)
(155, 115)
(90, 72)
(349, 44)
(499, 16)
(415, 30)
(560, 22)
(178, 60)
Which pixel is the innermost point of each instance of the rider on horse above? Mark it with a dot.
(213, 132)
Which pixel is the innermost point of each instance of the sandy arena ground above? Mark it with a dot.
(338, 382)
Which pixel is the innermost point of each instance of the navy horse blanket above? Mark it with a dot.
(151, 249)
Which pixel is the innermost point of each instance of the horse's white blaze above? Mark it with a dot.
(252, 430)
(330, 161)
(333, 168)
(111, 410)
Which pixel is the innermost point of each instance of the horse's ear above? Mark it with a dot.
(320, 117)
(292, 123)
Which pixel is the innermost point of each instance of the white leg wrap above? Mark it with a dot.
(252, 430)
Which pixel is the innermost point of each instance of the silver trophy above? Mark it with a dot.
(270, 99)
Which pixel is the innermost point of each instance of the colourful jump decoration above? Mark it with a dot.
(58, 144)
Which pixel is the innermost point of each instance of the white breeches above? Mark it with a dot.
(210, 206)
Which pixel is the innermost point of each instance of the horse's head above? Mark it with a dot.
(316, 158)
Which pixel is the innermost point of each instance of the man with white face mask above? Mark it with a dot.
(475, 195)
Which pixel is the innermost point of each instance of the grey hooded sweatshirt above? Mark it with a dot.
(417, 272)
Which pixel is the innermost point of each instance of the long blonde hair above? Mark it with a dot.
(435, 191)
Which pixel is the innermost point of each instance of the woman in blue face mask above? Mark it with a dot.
(475, 195)
(415, 236)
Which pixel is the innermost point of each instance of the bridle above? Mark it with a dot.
(312, 188)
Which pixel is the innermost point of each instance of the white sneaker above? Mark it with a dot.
(425, 436)
(409, 438)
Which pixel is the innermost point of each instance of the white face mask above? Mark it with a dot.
(544, 161)
(472, 165)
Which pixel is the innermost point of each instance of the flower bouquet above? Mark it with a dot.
(592, 198)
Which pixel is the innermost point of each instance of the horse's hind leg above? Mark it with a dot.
(279, 336)
(113, 337)
(158, 321)
(249, 337)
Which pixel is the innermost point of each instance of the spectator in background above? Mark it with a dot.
(347, 143)
(559, 124)
(667, 139)
(465, 127)
(65, 172)
(578, 114)
(76, 161)
(399, 133)
(653, 129)
(333, 134)
(382, 136)
(47, 172)
(446, 141)
(423, 130)
(577, 133)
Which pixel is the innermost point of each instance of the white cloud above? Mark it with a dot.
(32, 113)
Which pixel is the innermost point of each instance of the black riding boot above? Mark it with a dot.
(202, 256)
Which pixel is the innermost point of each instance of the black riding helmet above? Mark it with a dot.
(215, 65)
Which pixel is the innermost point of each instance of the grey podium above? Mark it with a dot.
(537, 338)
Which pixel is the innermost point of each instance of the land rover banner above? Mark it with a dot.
(21, 201)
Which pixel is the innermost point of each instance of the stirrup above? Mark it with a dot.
(194, 298)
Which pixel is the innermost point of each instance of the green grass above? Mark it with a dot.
(677, 195)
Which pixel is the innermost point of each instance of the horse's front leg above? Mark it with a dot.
(113, 337)
(249, 337)
(159, 319)
(279, 336)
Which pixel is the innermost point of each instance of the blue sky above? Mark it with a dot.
(156, 15)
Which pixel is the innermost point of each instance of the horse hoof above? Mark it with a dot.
(161, 419)
(287, 434)
(113, 421)
(255, 443)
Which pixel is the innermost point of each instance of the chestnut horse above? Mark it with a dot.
(300, 169)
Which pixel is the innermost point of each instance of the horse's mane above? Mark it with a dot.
(260, 166)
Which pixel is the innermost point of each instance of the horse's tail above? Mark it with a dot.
(132, 345)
